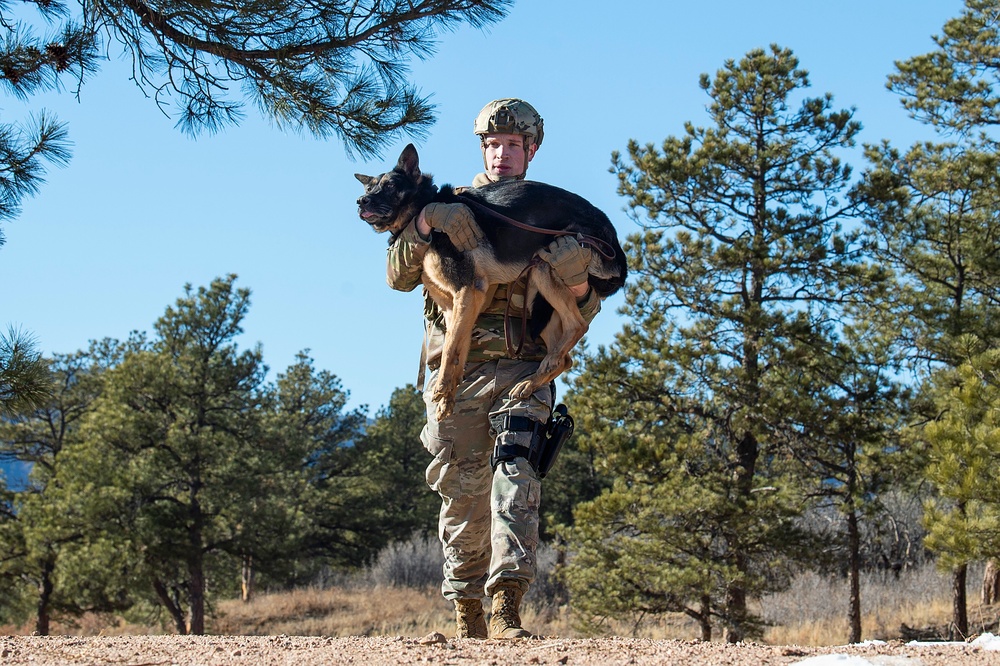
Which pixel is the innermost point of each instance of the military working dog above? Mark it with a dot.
(517, 218)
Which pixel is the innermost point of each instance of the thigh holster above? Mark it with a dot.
(546, 439)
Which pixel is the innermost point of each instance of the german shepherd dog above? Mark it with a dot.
(517, 218)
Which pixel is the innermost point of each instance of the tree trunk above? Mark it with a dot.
(197, 591)
(173, 607)
(196, 583)
(991, 583)
(705, 619)
(736, 595)
(247, 578)
(854, 557)
(736, 605)
(196, 560)
(45, 588)
(960, 614)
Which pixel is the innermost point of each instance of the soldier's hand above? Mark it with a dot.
(569, 260)
(457, 221)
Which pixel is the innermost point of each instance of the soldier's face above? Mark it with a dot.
(504, 155)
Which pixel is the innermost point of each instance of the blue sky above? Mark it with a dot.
(142, 209)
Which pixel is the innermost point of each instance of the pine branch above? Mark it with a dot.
(25, 383)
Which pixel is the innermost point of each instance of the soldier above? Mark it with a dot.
(490, 494)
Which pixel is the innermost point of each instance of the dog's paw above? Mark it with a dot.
(523, 390)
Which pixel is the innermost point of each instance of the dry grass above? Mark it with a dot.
(814, 610)
(812, 613)
(397, 611)
(386, 600)
(337, 612)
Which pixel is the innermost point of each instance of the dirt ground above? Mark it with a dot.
(435, 649)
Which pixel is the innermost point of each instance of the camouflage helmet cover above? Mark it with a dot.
(510, 116)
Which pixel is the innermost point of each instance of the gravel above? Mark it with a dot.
(436, 649)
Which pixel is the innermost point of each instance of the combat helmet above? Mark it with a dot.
(510, 116)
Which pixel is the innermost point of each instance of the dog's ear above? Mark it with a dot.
(366, 180)
(409, 162)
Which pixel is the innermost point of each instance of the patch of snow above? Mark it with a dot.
(854, 660)
(987, 642)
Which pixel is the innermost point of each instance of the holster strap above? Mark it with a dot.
(507, 423)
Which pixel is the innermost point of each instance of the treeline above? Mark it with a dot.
(167, 472)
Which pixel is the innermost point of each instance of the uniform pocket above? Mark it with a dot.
(441, 475)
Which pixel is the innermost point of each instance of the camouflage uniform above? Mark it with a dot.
(488, 522)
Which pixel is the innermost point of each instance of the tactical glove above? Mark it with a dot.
(569, 260)
(457, 221)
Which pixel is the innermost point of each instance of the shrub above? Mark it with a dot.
(415, 563)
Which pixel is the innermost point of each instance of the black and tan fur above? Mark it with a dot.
(459, 281)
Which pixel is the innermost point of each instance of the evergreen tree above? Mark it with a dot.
(843, 425)
(315, 435)
(163, 467)
(175, 438)
(932, 220)
(963, 520)
(954, 88)
(24, 150)
(932, 210)
(743, 247)
(393, 460)
(39, 526)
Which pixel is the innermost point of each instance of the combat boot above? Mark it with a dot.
(505, 621)
(469, 619)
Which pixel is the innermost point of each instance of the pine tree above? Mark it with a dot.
(743, 250)
(964, 518)
(315, 435)
(932, 209)
(40, 526)
(165, 470)
(392, 460)
(174, 439)
(843, 428)
(954, 88)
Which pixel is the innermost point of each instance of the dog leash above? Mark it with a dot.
(600, 246)
(507, 315)
(603, 247)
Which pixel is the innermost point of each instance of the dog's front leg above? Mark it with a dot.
(467, 303)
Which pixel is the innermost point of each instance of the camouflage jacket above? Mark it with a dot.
(404, 267)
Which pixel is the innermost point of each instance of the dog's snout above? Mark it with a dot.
(362, 200)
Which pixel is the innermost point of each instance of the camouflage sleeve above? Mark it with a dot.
(405, 259)
(590, 305)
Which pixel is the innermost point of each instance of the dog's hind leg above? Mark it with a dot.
(460, 320)
(565, 328)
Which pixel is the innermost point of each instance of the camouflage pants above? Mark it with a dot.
(488, 523)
